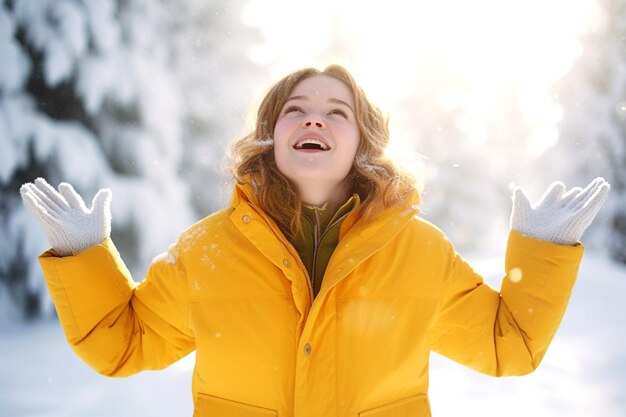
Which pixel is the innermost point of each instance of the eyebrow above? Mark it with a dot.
(330, 100)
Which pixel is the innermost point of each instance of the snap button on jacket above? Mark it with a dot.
(234, 290)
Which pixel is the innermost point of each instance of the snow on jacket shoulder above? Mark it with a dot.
(235, 290)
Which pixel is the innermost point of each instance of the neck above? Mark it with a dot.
(317, 194)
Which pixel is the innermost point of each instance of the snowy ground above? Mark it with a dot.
(583, 373)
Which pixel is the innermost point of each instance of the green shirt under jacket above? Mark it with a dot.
(320, 227)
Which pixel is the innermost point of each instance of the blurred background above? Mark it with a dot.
(144, 96)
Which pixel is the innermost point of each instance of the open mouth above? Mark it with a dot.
(311, 144)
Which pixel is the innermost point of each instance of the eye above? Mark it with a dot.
(292, 109)
(339, 112)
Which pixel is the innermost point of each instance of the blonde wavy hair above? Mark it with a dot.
(375, 178)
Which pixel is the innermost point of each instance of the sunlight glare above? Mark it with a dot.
(541, 139)
(620, 109)
(470, 51)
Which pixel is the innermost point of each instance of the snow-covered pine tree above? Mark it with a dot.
(88, 95)
(593, 129)
(210, 44)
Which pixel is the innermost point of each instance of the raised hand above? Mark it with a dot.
(69, 225)
(560, 216)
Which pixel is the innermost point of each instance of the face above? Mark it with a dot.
(316, 135)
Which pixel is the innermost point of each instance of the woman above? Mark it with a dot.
(319, 291)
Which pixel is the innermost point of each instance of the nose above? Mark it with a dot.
(314, 120)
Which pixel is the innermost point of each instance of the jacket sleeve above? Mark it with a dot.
(116, 326)
(507, 332)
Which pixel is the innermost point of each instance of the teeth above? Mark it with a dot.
(310, 141)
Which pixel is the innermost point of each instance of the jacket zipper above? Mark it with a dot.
(316, 241)
(317, 238)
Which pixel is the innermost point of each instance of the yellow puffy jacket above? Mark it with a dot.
(234, 289)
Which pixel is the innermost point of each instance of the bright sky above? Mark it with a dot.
(488, 46)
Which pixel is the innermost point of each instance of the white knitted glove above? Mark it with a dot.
(69, 225)
(559, 217)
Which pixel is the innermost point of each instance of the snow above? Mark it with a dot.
(55, 29)
(42, 377)
(362, 161)
(582, 374)
(15, 67)
(8, 157)
(515, 275)
(263, 143)
(168, 257)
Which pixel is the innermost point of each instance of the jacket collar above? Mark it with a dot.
(393, 218)
(244, 192)
(358, 241)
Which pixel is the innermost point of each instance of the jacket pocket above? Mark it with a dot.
(415, 406)
(210, 406)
